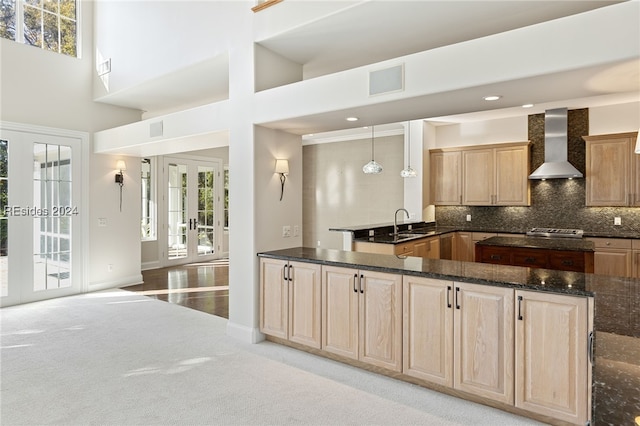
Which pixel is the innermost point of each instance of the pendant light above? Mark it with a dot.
(372, 167)
(408, 172)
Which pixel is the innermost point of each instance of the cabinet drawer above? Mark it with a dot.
(496, 255)
(404, 248)
(530, 258)
(617, 243)
(567, 261)
(635, 244)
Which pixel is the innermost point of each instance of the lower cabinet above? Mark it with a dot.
(553, 370)
(523, 348)
(613, 256)
(290, 301)
(362, 316)
(459, 335)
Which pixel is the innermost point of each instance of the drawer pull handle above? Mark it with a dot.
(567, 262)
(530, 260)
(355, 278)
(520, 308)
(361, 278)
(457, 292)
(590, 348)
(448, 300)
(496, 257)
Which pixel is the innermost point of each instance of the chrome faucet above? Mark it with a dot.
(395, 221)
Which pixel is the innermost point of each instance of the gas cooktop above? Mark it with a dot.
(555, 232)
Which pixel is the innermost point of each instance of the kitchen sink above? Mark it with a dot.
(413, 234)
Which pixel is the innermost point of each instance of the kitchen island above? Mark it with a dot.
(616, 370)
(566, 254)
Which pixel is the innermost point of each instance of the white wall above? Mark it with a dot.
(614, 119)
(141, 48)
(513, 129)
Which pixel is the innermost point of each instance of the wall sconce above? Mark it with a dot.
(120, 166)
(282, 168)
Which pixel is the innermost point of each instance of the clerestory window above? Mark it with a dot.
(48, 24)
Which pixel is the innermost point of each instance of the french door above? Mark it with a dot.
(193, 207)
(40, 216)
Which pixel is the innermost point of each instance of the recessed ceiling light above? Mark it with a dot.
(352, 118)
(492, 97)
(527, 106)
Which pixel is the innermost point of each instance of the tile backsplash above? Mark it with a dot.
(557, 203)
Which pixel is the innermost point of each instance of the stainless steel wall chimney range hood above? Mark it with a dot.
(556, 165)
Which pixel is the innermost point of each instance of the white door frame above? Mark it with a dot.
(23, 133)
(163, 216)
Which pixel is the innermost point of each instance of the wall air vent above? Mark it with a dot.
(155, 129)
(386, 80)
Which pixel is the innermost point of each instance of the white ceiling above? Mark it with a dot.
(373, 31)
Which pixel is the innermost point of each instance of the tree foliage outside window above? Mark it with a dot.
(226, 198)
(48, 24)
(4, 197)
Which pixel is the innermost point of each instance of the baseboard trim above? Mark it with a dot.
(150, 265)
(246, 334)
(117, 283)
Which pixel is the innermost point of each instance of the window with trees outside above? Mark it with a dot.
(148, 211)
(226, 198)
(48, 24)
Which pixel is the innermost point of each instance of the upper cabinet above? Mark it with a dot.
(446, 177)
(487, 175)
(613, 170)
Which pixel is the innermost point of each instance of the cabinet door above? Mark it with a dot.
(483, 337)
(428, 329)
(636, 264)
(512, 176)
(446, 178)
(340, 295)
(304, 304)
(381, 319)
(552, 367)
(463, 247)
(614, 262)
(274, 296)
(477, 177)
(608, 179)
(428, 248)
(635, 174)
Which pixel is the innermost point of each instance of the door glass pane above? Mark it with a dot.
(4, 219)
(177, 225)
(206, 227)
(52, 216)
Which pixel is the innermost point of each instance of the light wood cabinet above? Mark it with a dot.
(463, 247)
(423, 247)
(613, 256)
(459, 335)
(362, 316)
(446, 177)
(496, 176)
(290, 305)
(612, 170)
(553, 371)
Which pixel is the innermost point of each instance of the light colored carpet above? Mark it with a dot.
(117, 358)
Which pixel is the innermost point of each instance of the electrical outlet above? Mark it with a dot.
(371, 234)
(286, 231)
(102, 222)
(296, 230)
(110, 268)
(318, 243)
(468, 218)
(617, 221)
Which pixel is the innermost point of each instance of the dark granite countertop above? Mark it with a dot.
(566, 244)
(616, 373)
(360, 232)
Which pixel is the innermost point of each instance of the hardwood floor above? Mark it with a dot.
(202, 286)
